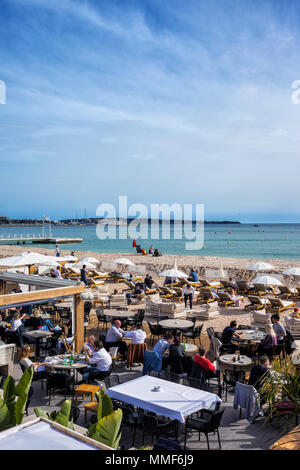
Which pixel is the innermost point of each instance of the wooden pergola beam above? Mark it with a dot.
(44, 294)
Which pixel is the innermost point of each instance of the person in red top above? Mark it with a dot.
(206, 365)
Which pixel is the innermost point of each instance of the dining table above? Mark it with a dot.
(164, 398)
(177, 324)
(235, 362)
(62, 362)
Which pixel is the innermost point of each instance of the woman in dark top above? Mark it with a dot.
(176, 349)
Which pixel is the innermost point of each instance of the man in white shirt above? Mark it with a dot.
(114, 337)
(57, 273)
(138, 335)
(99, 363)
(188, 293)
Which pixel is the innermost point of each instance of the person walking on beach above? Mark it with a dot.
(83, 275)
(188, 293)
(57, 249)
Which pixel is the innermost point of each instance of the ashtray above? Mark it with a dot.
(156, 389)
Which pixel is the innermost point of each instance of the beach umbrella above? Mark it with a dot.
(260, 266)
(221, 272)
(89, 259)
(80, 264)
(125, 261)
(292, 272)
(267, 281)
(174, 272)
(68, 258)
(28, 259)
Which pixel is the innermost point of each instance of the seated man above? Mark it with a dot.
(99, 363)
(137, 334)
(176, 349)
(259, 373)
(206, 365)
(163, 345)
(227, 335)
(193, 277)
(278, 328)
(89, 346)
(114, 337)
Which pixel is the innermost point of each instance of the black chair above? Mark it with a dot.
(230, 378)
(37, 376)
(29, 396)
(98, 375)
(111, 381)
(155, 330)
(102, 319)
(153, 426)
(172, 376)
(130, 419)
(2, 381)
(208, 422)
(194, 383)
(211, 332)
(74, 413)
(194, 334)
(180, 365)
(164, 445)
(58, 382)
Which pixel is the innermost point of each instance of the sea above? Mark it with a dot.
(266, 241)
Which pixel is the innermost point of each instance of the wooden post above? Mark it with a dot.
(79, 323)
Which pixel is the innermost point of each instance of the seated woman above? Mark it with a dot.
(268, 345)
(25, 362)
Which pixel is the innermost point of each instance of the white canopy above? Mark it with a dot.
(292, 272)
(267, 281)
(174, 272)
(123, 261)
(27, 260)
(260, 266)
(89, 259)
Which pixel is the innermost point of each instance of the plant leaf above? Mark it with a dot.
(22, 390)
(105, 407)
(108, 429)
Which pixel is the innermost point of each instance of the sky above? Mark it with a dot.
(164, 102)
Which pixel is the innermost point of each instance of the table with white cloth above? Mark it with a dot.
(173, 401)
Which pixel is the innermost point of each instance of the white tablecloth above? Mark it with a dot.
(175, 401)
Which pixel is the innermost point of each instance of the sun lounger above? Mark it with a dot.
(206, 296)
(257, 302)
(286, 292)
(280, 305)
(226, 299)
(210, 285)
(244, 288)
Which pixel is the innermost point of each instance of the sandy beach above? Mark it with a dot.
(235, 267)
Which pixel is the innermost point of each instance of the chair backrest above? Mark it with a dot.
(112, 380)
(197, 331)
(74, 413)
(195, 382)
(163, 444)
(211, 332)
(214, 419)
(29, 396)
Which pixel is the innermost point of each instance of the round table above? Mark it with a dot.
(119, 314)
(36, 336)
(228, 363)
(250, 336)
(190, 348)
(58, 364)
(176, 324)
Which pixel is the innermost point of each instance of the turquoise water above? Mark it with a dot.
(277, 241)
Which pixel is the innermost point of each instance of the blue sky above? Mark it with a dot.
(174, 101)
